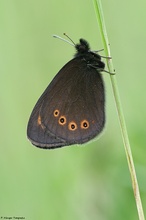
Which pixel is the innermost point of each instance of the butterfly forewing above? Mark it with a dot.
(71, 110)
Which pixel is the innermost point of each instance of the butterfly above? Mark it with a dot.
(71, 109)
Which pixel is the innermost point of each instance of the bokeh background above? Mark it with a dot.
(79, 182)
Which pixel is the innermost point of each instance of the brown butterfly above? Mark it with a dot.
(71, 109)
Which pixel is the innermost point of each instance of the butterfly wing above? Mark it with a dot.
(71, 109)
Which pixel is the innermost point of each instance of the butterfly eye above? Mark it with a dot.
(62, 120)
(56, 113)
(84, 124)
(72, 126)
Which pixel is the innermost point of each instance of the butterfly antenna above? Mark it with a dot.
(69, 38)
(56, 36)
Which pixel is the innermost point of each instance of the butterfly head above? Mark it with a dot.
(92, 59)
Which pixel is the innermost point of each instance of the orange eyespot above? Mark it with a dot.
(72, 126)
(84, 124)
(62, 120)
(56, 113)
(39, 120)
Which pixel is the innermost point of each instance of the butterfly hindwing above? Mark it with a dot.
(71, 109)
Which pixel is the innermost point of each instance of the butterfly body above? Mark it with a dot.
(71, 109)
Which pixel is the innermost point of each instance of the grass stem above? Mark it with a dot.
(102, 27)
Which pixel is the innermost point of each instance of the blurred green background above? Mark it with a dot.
(86, 182)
